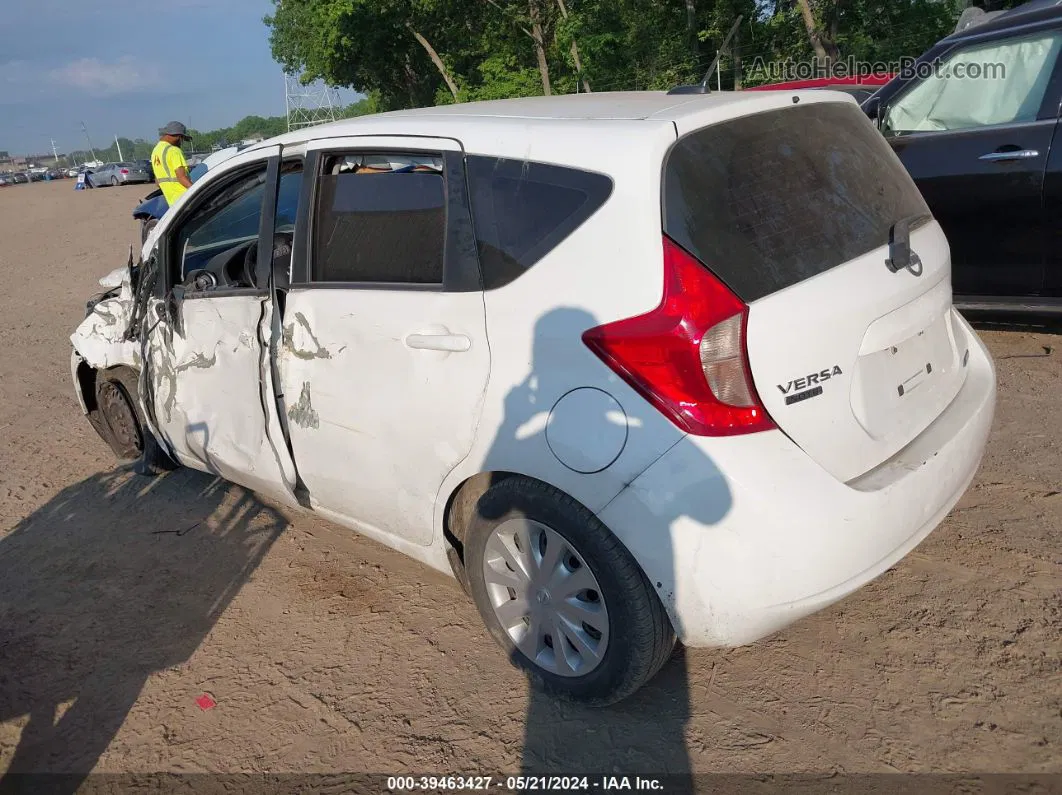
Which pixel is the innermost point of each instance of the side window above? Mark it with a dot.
(521, 211)
(287, 209)
(1001, 82)
(288, 196)
(227, 220)
(380, 217)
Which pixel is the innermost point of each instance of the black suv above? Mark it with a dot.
(974, 122)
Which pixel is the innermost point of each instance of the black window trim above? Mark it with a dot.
(165, 246)
(461, 272)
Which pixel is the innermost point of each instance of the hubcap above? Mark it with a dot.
(120, 419)
(545, 597)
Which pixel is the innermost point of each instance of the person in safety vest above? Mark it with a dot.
(168, 163)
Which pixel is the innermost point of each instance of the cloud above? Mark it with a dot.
(14, 71)
(102, 79)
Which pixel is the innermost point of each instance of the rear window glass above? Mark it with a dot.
(522, 210)
(768, 200)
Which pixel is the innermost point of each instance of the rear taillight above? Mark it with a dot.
(125, 170)
(688, 357)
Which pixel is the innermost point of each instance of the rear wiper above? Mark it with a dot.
(900, 255)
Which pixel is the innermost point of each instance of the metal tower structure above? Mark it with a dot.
(311, 104)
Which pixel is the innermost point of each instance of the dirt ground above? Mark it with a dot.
(123, 600)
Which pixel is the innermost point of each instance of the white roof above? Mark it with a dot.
(582, 118)
(630, 105)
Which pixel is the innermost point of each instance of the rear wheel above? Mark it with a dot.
(114, 182)
(562, 595)
(123, 419)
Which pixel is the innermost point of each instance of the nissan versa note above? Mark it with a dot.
(632, 367)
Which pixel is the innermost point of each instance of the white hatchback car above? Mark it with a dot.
(630, 366)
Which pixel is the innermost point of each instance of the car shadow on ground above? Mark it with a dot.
(114, 579)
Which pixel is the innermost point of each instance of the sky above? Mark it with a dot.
(103, 62)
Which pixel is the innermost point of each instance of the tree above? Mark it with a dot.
(822, 42)
(410, 53)
(576, 60)
(398, 49)
(538, 35)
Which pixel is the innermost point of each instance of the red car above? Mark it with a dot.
(860, 87)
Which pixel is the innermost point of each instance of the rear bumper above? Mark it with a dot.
(743, 536)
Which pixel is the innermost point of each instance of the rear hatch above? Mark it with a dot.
(792, 208)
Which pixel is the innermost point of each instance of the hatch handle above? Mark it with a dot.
(901, 257)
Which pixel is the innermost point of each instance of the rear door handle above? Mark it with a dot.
(1017, 154)
(444, 341)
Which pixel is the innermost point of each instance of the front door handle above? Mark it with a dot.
(1016, 154)
(439, 341)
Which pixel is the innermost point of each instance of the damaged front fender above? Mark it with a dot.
(100, 339)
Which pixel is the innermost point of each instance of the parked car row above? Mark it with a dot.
(24, 177)
(127, 172)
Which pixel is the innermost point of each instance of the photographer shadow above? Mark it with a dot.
(645, 733)
(116, 578)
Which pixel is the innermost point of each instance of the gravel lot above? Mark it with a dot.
(123, 600)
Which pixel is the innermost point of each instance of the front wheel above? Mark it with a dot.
(123, 419)
(560, 593)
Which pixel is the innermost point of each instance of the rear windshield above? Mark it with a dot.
(768, 200)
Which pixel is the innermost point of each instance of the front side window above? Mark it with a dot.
(380, 218)
(1001, 82)
(287, 209)
(288, 196)
(229, 219)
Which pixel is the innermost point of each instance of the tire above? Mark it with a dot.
(123, 418)
(114, 182)
(639, 637)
